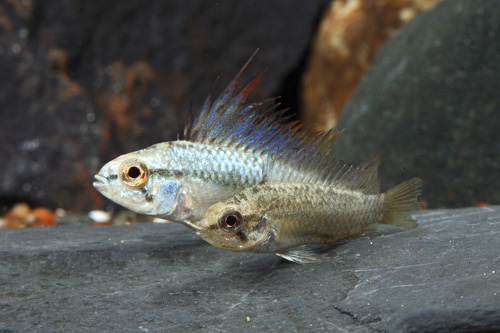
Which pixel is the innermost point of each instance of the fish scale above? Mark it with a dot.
(212, 163)
(309, 209)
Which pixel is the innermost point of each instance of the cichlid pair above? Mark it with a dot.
(225, 150)
(248, 180)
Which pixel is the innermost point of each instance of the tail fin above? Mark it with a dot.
(402, 199)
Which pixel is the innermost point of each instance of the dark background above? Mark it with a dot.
(85, 81)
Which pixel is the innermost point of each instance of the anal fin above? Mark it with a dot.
(300, 255)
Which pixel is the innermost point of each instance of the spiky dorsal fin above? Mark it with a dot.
(257, 127)
(364, 177)
(316, 168)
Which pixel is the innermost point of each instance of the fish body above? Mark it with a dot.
(224, 150)
(283, 217)
(180, 179)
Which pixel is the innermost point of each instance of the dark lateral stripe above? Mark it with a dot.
(232, 180)
(166, 173)
(147, 196)
(213, 227)
(259, 224)
(242, 236)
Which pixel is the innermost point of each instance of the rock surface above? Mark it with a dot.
(430, 103)
(83, 82)
(442, 276)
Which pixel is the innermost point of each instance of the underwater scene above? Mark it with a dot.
(259, 165)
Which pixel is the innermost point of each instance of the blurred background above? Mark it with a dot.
(84, 82)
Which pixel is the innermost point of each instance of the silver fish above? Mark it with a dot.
(283, 218)
(224, 150)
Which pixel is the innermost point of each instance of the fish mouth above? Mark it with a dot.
(99, 181)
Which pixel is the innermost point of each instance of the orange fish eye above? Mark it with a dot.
(134, 173)
(230, 221)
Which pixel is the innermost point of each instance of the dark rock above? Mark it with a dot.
(83, 82)
(348, 37)
(442, 276)
(430, 103)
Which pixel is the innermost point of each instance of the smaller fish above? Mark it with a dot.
(283, 218)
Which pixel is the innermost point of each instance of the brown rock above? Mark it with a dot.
(125, 103)
(348, 38)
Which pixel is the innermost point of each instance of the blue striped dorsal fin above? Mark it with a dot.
(258, 127)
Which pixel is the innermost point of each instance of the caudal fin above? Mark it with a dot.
(401, 200)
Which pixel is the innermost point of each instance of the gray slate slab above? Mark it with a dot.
(429, 102)
(442, 276)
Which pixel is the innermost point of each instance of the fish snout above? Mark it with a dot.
(100, 181)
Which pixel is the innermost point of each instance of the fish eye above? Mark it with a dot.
(230, 221)
(134, 173)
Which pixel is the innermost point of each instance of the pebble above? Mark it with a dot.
(44, 216)
(159, 220)
(20, 210)
(100, 217)
(21, 215)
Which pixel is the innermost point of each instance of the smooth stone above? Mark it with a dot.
(429, 102)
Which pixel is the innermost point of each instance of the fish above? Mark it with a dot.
(220, 152)
(334, 202)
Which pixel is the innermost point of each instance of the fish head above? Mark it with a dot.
(136, 181)
(234, 227)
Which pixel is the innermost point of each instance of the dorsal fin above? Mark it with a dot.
(257, 127)
(364, 177)
(228, 103)
(322, 169)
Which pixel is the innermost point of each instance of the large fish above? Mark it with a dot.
(335, 201)
(224, 150)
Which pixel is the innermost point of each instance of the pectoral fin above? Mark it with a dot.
(300, 255)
